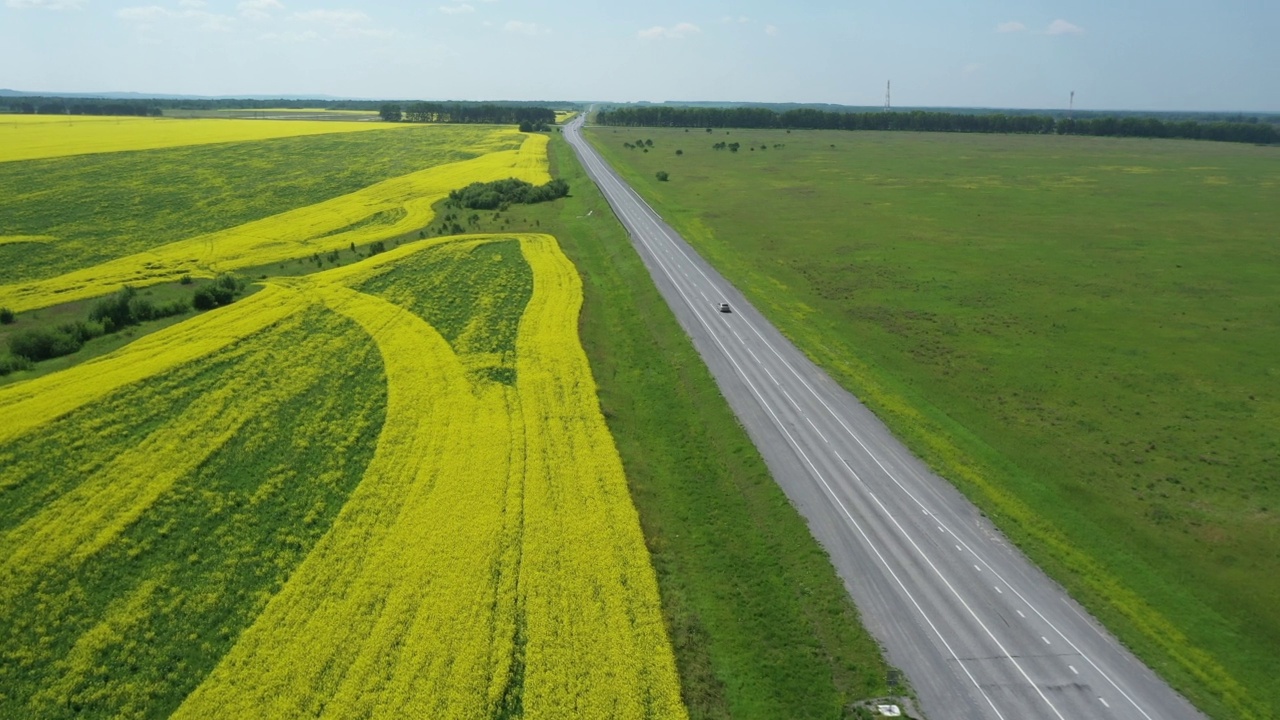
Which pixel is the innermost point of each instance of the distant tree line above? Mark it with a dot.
(1057, 113)
(53, 105)
(487, 113)
(72, 106)
(926, 121)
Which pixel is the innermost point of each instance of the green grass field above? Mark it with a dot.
(1081, 333)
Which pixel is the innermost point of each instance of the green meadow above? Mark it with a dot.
(1081, 333)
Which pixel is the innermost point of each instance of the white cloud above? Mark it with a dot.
(334, 18)
(770, 30)
(45, 4)
(524, 28)
(457, 9)
(679, 31)
(291, 37)
(1062, 27)
(258, 9)
(1011, 26)
(971, 68)
(729, 19)
(338, 24)
(149, 13)
(146, 15)
(192, 3)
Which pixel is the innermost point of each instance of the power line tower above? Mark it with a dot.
(887, 105)
(1071, 105)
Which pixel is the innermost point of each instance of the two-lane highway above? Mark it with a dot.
(978, 629)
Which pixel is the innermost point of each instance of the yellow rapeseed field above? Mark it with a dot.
(82, 522)
(28, 137)
(397, 206)
(489, 559)
(28, 405)
(493, 533)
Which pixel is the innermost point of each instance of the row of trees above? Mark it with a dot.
(487, 113)
(924, 121)
(61, 106)
(459, 112)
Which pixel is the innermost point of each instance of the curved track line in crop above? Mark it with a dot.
(86, 519)
(490, 559)
(318, 228)
(28, 405)
(391, 610)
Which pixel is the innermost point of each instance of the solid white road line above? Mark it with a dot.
(822, 479)
(891, 476)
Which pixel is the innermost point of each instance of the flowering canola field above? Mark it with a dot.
(381, 490)
(379, 211)
(29, 137)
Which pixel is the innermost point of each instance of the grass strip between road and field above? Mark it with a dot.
(761, 624)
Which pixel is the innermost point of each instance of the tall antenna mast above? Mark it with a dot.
(1071, 105)
(886, 95)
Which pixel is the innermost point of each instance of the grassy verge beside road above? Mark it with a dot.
(1079, 332)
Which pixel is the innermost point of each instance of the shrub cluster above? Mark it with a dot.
(13, 363)
(109, 315)
(39, 344)
(125, 308)
(501, 194)
(222, 291)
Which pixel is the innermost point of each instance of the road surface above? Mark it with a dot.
(979, 630)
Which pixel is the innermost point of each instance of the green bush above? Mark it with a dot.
(114, 311)
(662, 175)
(39, 344)
(6, 316)
(230, 281)
(13, 363)
(498, 195)
(212, 296)
(126, 308)
(222, 291)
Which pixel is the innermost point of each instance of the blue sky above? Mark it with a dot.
(1115, 54)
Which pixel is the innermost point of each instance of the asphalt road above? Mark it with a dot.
(976, 627)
